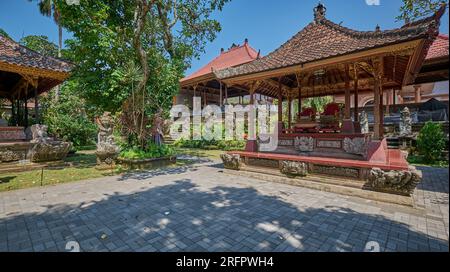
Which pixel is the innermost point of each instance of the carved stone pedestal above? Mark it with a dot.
(399, 182)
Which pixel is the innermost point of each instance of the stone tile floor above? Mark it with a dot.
(199, 208)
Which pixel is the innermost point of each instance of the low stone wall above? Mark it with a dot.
(10, 152)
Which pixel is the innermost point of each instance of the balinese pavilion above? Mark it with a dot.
(204, 83)
(326, 59)
(24, 76)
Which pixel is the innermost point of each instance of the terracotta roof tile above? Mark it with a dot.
(322, 39)
(236, 55)
(439, 48)
(12, 52)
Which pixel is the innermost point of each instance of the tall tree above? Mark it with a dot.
(4, 34)
(159, 36)
(416, 9)
(40, 44)
(49, 9)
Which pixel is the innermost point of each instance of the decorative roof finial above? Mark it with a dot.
(377, 28)
(319, 12)
(246, 40)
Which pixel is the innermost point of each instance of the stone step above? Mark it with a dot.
(326, 186)
(354, 183)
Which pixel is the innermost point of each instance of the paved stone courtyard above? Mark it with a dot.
(200, 208)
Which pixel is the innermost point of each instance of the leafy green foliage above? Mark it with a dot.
(67, 118)
(4, 34)
(159, 38)
(416, 9)
(40, 44)
(431, 142)
(212, 144)
(152, 151)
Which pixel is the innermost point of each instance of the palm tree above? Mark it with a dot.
(49, 9)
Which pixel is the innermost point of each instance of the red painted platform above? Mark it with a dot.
(321, 135)
(395, 160)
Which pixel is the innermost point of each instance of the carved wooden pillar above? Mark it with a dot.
(36, 106)
(377, 107)
(347, 93)
(381, 112)
(251, 144)
(417, 93)
(226, 94)
(280, 107)
(347, 124)
(220, 94)
(289, 111)
(299, 101)
(356, 124)
(26, 107)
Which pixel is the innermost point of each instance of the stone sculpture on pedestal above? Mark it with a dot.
(46, 148)
(405, 122)
(107, 151)
(364, 122)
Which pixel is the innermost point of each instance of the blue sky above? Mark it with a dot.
(266, 23)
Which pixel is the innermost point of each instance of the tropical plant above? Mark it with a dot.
(4, 34)
(49, 9)
(431, 142)
(160, 37)
(151, 151)
(67, 119)
(40, 44)
(415, 9)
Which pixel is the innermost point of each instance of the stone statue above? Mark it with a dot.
(405, 122)
(294, 169)
(107, 151)
(39, 134)
(400, 182)
(231, 161)
(364, 122)
(158, 128)
(46, 148)
(304, 144)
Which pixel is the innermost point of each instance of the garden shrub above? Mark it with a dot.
(152, 151)
(431, 142)
(213, 144)
(67, 120)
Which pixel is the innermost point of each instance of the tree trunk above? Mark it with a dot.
(140, 14)
(58, 88)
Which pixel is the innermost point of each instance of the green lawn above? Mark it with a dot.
(82, 167)
(211, 154)
(419, 161)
